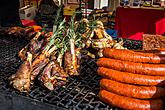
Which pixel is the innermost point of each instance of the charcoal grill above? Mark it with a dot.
(79, 94)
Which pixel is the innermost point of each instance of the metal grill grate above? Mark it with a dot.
(79, 94)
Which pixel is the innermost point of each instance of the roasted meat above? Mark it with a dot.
(38, 68)
(21, 80)
(23, 51)
(53, 75)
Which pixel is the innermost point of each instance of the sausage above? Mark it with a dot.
(129, 103)
(141, 92)
(131, 78)
(160, 51)
(128, 55)
(137, 68)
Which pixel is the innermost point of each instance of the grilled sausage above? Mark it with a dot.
(131, 78)
(128, 55)
(138, 68)
(130, 103)
(159, 51)
(141, 92)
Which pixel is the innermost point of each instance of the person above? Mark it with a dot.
(9, 13)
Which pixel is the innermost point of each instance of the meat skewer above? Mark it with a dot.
(140, 92)
(128, 103)
(131, 78)
(21, 79)
(137, 68)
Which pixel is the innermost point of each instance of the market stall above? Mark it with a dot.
(74, 64)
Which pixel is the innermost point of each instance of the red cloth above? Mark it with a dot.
(160, 26)
(131, 23)
(28, 22)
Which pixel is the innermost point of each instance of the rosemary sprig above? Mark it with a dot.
(56, 34)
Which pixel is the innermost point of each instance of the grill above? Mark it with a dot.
(80, 92)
